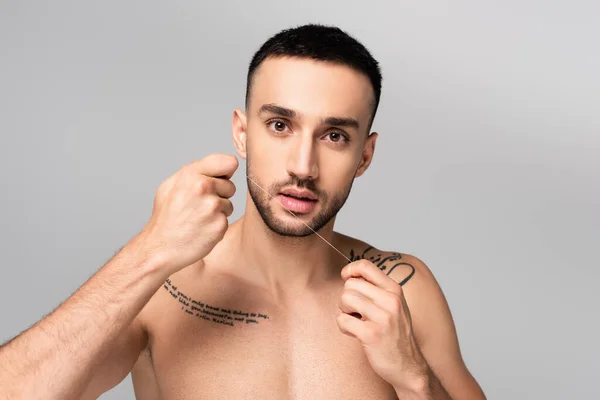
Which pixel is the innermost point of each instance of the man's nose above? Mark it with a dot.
(302, 159)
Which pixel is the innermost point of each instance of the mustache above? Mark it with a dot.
(294, 181)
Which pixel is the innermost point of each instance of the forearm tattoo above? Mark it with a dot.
(224, 316)
(386, 263)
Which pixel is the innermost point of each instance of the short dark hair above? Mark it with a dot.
(322, 43)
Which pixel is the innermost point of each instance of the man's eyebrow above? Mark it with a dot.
(289, 113)
(342, 122)
(275, 109)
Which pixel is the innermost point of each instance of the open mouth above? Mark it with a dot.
(298, 197)
(299, 202)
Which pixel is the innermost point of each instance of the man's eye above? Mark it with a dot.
(337, 137)
(277, 126)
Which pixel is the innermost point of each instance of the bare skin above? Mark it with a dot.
(298, 352)
(196, 308)
(295, 350)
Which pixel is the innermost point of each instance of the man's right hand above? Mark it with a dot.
(67, 354)
(190, 211)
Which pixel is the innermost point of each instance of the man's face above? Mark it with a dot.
(306, 134)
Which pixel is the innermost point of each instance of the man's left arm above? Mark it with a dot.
(407, 331)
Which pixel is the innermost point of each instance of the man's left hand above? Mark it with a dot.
(374, 310)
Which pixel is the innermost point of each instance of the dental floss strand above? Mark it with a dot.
(322, 238)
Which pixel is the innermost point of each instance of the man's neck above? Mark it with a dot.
(282, 264)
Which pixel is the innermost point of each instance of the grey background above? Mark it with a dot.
(486, 167)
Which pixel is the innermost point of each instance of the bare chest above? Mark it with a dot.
(224, 347)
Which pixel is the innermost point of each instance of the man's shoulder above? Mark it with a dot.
(419, 286)
(401, 267)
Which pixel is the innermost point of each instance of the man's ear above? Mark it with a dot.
(238, 128)
(367, 154)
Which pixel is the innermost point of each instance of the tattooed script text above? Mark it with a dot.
(210, 313)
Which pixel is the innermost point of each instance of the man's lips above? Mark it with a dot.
(306, 195)
(300, 201)
(296, 205)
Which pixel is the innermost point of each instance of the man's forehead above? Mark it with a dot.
(313, 88)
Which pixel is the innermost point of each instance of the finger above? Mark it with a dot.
(351, 326)
(353, 302)
(226, 207)
(371, 273)
(393, 303)
(373, 293)
(224, 187)
(217, 165)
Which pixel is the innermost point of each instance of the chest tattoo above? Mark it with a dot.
(207, 312)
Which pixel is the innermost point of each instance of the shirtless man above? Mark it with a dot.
(262, 308)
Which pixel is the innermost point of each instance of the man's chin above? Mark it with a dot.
(297, 233)
(284, 224)
(290, 227)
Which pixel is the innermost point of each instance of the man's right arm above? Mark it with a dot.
(57, 357)
(65, 355)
